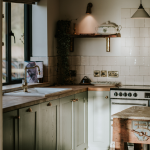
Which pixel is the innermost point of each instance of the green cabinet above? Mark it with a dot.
(10, 130)
(29, 128)
(81, 121)
(49, 125)
(60, 124)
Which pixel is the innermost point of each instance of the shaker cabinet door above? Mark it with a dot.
(98, 120)
(10, 130)
(67, 123)
(81, 121)
(29, 128)
(49, 125)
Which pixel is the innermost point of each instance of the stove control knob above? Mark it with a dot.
(115, 94)
(129, 94)
(124, 94)
(120, 94)
(135, 94)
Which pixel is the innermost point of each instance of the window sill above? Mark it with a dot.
(16, 87)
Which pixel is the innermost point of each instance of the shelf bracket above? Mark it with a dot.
(107, 44)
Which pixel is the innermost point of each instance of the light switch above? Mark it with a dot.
(113, 74)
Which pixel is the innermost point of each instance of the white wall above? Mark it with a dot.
(1, 111)
(130, 54)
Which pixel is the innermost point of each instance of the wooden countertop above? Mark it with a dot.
(135, 112)
(16, 102)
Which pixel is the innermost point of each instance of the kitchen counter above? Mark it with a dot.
(16, 102)
(135, 112)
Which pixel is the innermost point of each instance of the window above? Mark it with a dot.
(17, 37)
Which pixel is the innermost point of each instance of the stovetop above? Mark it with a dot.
(136, 87)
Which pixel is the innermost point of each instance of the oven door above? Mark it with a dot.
(118, 105)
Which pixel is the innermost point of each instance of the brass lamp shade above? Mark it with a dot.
(89, 6)
(140, 13)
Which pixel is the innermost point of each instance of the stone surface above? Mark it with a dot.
(135, 112)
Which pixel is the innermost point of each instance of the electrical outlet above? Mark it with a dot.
(103, 73)
(113, 74)
(97, 73)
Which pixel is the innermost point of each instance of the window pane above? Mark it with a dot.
(17, 45)
(4, 47)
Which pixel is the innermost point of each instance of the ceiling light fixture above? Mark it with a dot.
(140, 13)
(89, 6)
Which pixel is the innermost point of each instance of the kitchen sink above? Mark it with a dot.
(39, 92)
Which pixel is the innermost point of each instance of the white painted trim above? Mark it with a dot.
(1, 111)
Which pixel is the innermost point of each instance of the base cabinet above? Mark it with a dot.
(10, 130)
(29, 128)
(60, 124)
(49, 125)
(98, 120)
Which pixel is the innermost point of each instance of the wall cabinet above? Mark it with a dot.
(98, 120)
(60, 124)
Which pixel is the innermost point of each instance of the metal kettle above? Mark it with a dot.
(85, 81)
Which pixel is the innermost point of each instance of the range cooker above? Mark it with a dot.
(128, 96)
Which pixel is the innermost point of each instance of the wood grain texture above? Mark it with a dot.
(16, 102)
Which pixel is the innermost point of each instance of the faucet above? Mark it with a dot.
(25, 85)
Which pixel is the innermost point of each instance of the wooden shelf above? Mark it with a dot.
(94, 36)
(72, 36)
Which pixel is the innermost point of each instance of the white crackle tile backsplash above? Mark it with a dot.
(133, 63)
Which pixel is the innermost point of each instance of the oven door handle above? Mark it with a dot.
(128, 104)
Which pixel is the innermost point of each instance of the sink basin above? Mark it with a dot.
(39, 92)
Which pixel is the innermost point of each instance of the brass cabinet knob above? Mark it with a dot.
(49, 104)
(106, 97)
(29, 110)
(18, 117)
(73, 100)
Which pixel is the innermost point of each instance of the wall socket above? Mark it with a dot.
(103, 73)
(113, 74)
(97, 73)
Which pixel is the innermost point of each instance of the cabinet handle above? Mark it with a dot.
(49, 104)
(73, 100)
(18, 117)
(29, 110)
(106, 97)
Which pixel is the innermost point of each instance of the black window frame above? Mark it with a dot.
(27, 40)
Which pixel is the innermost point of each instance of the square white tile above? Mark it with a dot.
(123, 22)
(103, 61)
(125, 51)
(147, 22)
(147, 61)
(129, 41)
(147, 41)
(112, 61)
(93, 61)
(76, 60)
(146, 80)
(129, 80)
(134, 70)
(124, 70)
(144, 32)
(138, 80)
(85, 60)
(123, 42)
(139, 42)
(89, 70)
(125, 32)
(144, 51)
(129, 22)
(115, 68)
(134, 51)
(135, 32)
(121, 61)
(144, 70)
(139, 22)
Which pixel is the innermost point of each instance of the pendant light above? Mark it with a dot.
(140, 13)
